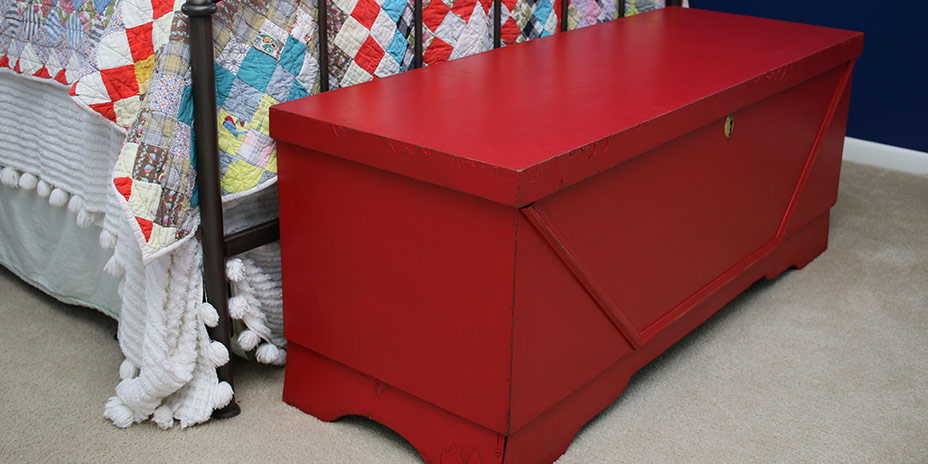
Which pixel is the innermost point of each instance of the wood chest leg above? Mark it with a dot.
(800, 247)
(329, 390)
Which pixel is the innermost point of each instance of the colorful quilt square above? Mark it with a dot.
(383, 28)
(232, 130)
(456, 28)
(180, 141)
(292, 56)
(398, 47)
(351, 36)
(159, 128)
(304, 28)
(113, 50)
(149, 163)
(297, 91)
(369, 55)
(394, 8)
(170, 207)
(281, 82)
(140, 43)
(309, 74)
(256, 69)
(256, 149)
(224, 81)
(232, 55)
(366, 12)
(144, 199)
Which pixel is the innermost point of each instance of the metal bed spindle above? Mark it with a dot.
(216, 246)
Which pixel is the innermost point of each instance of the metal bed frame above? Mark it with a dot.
(216, 245)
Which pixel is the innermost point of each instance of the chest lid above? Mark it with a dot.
(518, 123)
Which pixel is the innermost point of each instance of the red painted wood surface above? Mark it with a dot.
(423, 290)
(415, 281)
(485, 124)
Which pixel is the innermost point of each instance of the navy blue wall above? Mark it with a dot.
(889, 97)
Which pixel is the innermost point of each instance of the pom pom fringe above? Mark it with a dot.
(43, 189)
(76, 204)
(270, 354)
(107, 239)
(238, 306)
(9, 177)
(28, 181)
(113, 268)
(248, 339)
(85, 218)
(117, 412)
(235, 270)
(218, 354)
(164, 417)
(127, 370)
(58, 197)
(209, 315)
(222, 395)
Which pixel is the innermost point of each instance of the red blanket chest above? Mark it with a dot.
(479, 254)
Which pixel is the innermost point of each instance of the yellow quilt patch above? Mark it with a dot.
(241, 176)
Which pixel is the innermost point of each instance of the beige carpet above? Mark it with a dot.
(827, 364)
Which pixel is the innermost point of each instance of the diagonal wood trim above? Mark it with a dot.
(766, 248)
(543, 224)
(813, 152)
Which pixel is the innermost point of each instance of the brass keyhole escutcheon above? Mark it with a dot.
(729, 125)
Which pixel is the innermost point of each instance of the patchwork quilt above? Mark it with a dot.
(127, 60)
(139, 79)
(51, 39)
(368, 39)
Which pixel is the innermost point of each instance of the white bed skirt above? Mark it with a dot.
(40, 131)
(60, 219)
(44, 246)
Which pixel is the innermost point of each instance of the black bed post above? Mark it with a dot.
(565, 5)
(417, 33)
(497, 23)
(207, 153)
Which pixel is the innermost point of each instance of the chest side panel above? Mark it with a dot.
(405, 281)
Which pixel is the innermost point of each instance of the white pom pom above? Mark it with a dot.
(235, 270)
(222, 395)
(117, 412)
(107, 239)
(127, 370)
(85, 218)
(43, 189)
(218, 354)
(9, 177)
(164, 417)
(58, 197)
(238, 306)
(208, 314)
(248, 340)
(76, 203)
(28, 181)
(270, 354)
(113, 268)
